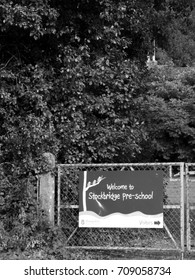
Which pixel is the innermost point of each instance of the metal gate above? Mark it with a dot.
(171, 237)
(190, 206)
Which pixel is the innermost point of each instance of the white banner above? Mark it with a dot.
(116, 199)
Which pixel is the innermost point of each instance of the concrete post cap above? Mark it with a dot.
(50, 159)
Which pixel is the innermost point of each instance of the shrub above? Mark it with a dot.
(24, 230)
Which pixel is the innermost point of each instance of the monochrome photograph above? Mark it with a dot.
(97, 131)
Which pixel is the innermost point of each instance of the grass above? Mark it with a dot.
(92, 254)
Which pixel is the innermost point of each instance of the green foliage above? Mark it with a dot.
(169, 113)
(181, 46)
(33, 242)
(71, 80)
(23, 233)
(36, 17)
(163, 58)
(74, 83)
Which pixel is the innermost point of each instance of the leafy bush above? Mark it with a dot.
(24, 230)
(163, 58)
(188, 78)
(33, 239)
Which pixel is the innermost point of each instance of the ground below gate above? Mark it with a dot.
(129, 255)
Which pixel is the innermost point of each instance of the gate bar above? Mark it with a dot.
(59, 192)
(121, 164)
(182, 224)
(188, 209)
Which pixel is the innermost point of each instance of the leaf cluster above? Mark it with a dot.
(169, 112)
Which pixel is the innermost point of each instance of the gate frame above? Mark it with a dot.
(181, 205)
(188, 208)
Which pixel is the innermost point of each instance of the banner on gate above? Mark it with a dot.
(114, 199)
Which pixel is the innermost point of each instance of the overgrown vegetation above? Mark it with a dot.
(74, 82)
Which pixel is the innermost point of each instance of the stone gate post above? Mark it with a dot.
(47, 187)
